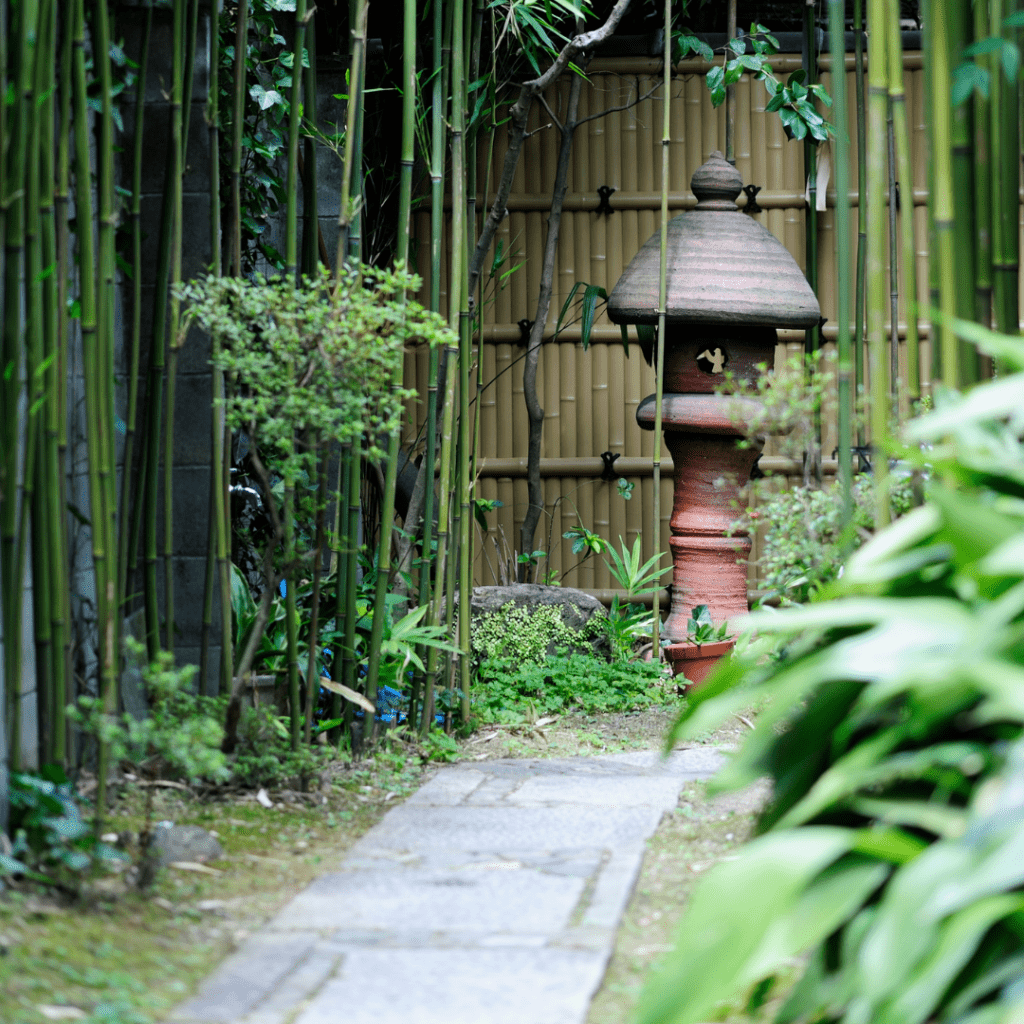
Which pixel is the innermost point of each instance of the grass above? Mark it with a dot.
(699, 833)
(124, 958)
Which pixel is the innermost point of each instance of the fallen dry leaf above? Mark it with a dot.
(191, 865)
(61, 1012)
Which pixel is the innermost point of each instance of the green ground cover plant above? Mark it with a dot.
(893, 731)
(507, 691)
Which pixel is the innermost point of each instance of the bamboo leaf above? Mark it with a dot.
(350, 695)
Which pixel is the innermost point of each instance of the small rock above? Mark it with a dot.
(300, 847)
(109, 837)
(208, 906)
(184, 843)
(263, 800)
(164, 904)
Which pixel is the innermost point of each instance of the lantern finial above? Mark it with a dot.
(716, 184)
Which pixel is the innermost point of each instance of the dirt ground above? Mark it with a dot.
(114, 956)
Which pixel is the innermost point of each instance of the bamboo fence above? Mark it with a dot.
(590, 397)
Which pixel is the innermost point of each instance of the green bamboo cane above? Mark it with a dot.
(218, 575)
(443, 518)
(237, 133)
(862, 211)
(387, 514)
(437, 159)
(291, 267)
(960, 27)
(944, 202)
(221, 438)
(12, 538)
(310, 210)
(61, 275)
(128, 488)
(1005, 176)
(312, 676)
(904, 172)
(179, 70)
(355, 234)
(35, 494)
(811, 173)
(353, 157)
(928, 43)
(983, 182)
(349, 663)
(894, 266)
(157, 364)
(291, 238)
(50, 460)
(844, 369)
(92, 363)
(343, 551)
(878, 99)
(108, 619)
(659, 377)
(459, 180)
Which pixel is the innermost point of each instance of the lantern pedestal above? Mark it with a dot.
(709, 557)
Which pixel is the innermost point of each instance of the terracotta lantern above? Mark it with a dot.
(731, 285)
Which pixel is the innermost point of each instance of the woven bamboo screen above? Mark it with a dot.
(590, 397)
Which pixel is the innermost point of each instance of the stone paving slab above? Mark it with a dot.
(491, 896)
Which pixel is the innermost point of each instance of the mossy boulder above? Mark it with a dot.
(528, 621)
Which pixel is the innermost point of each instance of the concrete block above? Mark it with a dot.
(245, 979)
(509, 830)
(494, 897)
(462, 986)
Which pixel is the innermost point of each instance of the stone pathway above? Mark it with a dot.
(491, 896)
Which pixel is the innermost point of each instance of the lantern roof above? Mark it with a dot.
(723, 266)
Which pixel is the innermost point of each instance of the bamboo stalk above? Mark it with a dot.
(894, 266)
(437, 159)
(129, 485)
(179, 70)
(12, 539)
(837, 40)
(659, 379)
(291, 236)
(1005, 179)
(730, 103)
(50, 459)
(387, 514)
(36, 505)
(862, 210)
(811, 174)
(92, 364)
(353, 158)
(944, 202)
(310, 209)
(983, 182)
(344, 551)
(237, 133)
(108, 619)
(312, 676)
(878, 98)
(960, 27)
(904, 173)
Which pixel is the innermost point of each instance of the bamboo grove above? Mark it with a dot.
(87, 483)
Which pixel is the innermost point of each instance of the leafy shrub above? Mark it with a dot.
(894, 735)
(178, 737)
(264, 756)
(52, 844)
(516, 634)
(505, 689)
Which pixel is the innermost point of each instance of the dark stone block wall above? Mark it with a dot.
(193, 400)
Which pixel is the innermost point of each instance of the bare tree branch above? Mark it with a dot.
(517, 131)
